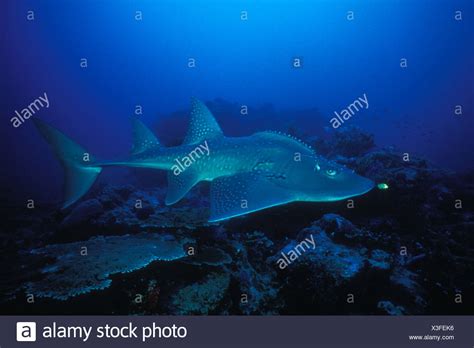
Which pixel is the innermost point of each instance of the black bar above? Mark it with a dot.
(234, 331)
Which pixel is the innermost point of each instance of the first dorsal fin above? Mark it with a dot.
(203, 125)
(143, 138)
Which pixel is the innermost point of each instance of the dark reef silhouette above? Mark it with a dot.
(403, 250)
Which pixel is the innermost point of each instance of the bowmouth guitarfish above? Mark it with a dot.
(247, 174)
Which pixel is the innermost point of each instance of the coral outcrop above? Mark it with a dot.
(81, 267)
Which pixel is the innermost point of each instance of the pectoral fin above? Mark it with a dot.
(245, 193)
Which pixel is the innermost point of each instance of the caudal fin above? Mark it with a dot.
(80, 173)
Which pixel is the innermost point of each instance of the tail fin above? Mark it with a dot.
(79, 173)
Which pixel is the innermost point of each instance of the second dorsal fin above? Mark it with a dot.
(143, 137)
(202, 125)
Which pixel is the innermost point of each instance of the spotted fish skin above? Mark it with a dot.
(247, 174)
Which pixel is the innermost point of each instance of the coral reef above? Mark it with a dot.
(347, 141)
(403, 250)
(389, 308)
(332, 270)
(82, 267)
(146, 209)
(256, 283)
(203, 297)
(82, 213)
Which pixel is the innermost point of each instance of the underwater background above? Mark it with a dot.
(292, 64)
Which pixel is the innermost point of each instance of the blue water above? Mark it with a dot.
(248, 62)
